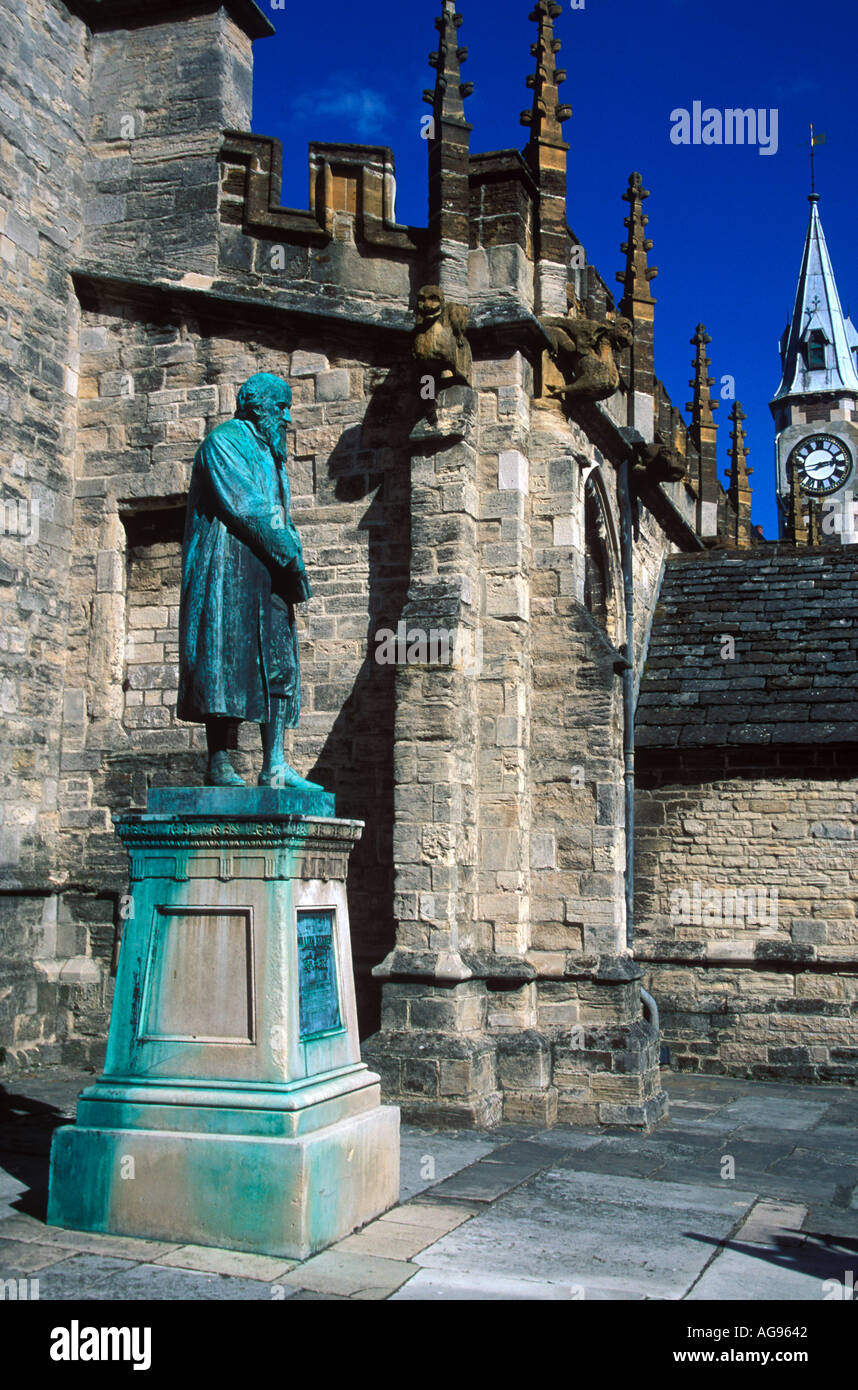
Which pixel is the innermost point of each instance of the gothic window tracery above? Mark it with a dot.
(602, 586)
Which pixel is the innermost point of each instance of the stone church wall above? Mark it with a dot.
(756, 970)
(43, 145)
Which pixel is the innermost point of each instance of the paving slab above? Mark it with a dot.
(314, 1296)
(389, 1242)
(816, 1168)
(834, 1140)
(843, 1113)
(26, 1257)
(754, 1272)
(395, 1237)
(449, 1286)
(429, 1156)
(434, 1217)
(776, 1224)
(79, 1276)
(712, 1090)
(690, 1138)
(691, 1107)
(207, 1259)
(22, 1227)
(775, 1112)
(484, 1181)
(615, 1237)
(16, 1225)
(335, 1271)
(605, 1159)
(834, 1223)
(682, 1171)
(527, 1153)
(792, 1189)
(564, 1137)
(145, 1283)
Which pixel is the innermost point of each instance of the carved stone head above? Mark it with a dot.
(430, 305)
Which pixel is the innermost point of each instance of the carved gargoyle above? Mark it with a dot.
(659, 462)
(583, 351)
(440, 345)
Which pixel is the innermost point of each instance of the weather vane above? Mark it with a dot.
(814, 140)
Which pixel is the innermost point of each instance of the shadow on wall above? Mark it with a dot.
(356, 761)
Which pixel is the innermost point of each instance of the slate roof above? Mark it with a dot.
(793, 613)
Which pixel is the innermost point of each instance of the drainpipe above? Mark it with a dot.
(627, 531)
(650, 1009)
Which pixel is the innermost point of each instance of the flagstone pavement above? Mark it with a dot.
(749, 1191)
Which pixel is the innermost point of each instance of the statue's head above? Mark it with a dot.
(264, 400)
(430, 305)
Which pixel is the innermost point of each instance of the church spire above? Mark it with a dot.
(449, 154)
(740, 489)
(637, 303)
(546, 153)
(817, 347)
(704, 433)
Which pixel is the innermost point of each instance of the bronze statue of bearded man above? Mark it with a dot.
(242, 574)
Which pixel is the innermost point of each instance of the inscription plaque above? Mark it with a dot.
(318, 996)
(199, 976)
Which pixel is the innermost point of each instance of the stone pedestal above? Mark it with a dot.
(234, 1109)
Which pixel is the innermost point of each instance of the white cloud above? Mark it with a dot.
(366, 110)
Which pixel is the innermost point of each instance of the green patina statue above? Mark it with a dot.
(242, 573)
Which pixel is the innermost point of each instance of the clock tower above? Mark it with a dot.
(816, 405)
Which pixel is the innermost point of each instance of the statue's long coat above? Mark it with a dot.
(240, 546)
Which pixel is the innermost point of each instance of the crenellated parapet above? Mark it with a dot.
(352, 194)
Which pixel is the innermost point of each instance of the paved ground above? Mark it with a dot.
(748, 1192)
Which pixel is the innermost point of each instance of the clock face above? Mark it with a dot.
(823, 464)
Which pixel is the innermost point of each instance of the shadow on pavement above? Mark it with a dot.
(26, 1130)
(792, 1250)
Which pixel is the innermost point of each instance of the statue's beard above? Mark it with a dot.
(273, 432)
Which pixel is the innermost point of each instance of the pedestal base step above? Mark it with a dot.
(289, 1197)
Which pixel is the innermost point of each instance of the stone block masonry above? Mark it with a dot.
(43, 153)
(760, 978)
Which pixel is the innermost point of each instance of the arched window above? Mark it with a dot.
(602, 586)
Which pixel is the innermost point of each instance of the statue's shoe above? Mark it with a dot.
(284, 776)
(223, 775)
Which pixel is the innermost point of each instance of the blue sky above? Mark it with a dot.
(727, 222)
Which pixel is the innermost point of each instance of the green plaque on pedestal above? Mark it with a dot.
(318, 996)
